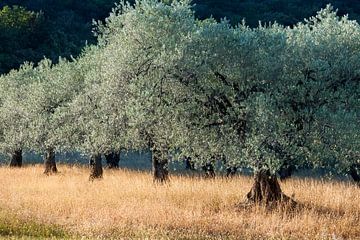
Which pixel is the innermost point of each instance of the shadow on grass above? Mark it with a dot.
(321, 210)
(291, 210)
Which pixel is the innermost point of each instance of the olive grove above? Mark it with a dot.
(263, 98)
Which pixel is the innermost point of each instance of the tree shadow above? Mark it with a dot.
(291, 210)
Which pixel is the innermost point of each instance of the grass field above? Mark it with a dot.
(128, 205)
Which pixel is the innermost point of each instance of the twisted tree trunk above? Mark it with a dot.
(266, 190)
(49, 162)
(96, 170)
(16, 158)
(160, 166)
(112, 159)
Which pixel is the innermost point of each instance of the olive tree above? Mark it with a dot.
(232, 112)
(55, 85)
(317, 80)
(143, 48)
(323, 101)
(95, 121)
(14, 115)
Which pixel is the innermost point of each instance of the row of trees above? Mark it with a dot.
(161, 79)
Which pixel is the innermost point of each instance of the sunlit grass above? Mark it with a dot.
(128, 205)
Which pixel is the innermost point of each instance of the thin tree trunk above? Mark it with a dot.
(354, 173)
(49, 161)
(189, 164)
(230, 170)
(112, 159)
(16, 158)
(160, 166)
(266, 190)
(96, 170)
(209, 170)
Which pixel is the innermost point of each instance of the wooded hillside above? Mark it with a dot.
(32, 29)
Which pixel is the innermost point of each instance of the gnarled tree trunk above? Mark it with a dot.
(160, 165)
(96, 170)
(266, 190)
(112, 159)
(16, 158)
(355, 173)
(49, 161)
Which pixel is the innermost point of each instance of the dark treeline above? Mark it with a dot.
(286, 12)
(32, 29)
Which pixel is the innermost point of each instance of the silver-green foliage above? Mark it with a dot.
(323, 71)
(53, 87)
(257, 97)
(14, 115)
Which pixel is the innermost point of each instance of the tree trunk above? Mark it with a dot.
(231, 171)
(160, 166)
(49, 162)
(354, 173)
(16, 158)
(266, 190)
(113, 159)
(189, 164)
(209, 170)
(96, 170)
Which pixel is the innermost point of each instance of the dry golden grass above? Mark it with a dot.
(128, 205)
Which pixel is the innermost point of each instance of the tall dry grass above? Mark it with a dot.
(128, 205)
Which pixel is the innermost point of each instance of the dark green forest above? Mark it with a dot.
(33, 29)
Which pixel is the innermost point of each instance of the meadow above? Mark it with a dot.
(127, 204)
